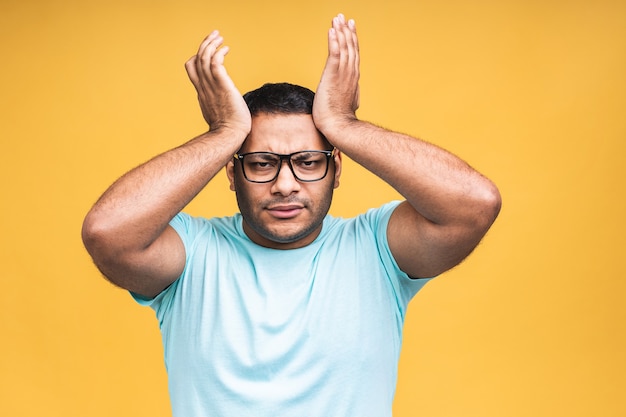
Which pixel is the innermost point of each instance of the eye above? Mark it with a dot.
(261, 162)
(262, 165)
(308, 161)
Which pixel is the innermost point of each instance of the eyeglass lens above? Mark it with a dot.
(306, 165)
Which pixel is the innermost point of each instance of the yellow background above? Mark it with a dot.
(531, 93)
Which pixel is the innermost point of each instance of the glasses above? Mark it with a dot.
(306, 166)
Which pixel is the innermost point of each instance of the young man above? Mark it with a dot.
(283, 309)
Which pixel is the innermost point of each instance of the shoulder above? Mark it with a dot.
(374, 218)
(185, 223)
(380, 215)
(370, 225)
(194, 229)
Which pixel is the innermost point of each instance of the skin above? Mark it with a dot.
(285, 213)
(448, 209)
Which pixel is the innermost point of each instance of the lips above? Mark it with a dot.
(285, 211)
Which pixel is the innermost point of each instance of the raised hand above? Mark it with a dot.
(337, 96)
(221, 103)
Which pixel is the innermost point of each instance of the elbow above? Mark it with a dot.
(105, 244)
(96, 236)
(495, 201)
(92, 234)
(490, 203)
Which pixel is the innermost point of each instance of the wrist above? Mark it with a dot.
(237, 132)
(335, 128)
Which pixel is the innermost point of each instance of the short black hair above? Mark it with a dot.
(280, 98)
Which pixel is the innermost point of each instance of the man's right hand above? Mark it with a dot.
(222, 105)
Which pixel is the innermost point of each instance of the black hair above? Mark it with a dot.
(280, 98)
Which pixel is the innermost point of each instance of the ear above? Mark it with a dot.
(230, 173)
(337, 158)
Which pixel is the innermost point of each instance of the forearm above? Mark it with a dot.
(137, 207)
(440, 186)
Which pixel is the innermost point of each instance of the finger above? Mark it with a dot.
(352, 25)
(348, 43)
(205, 58)
(206, 41)
(218, 71)
(190, 67)
(354, 41)
(353, 38)
(211, 46)
(339, 26)
(192, 64)
(333, 44)
(218, 56)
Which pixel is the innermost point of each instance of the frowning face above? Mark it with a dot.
(284, 213)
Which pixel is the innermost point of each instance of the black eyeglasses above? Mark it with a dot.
(306, 166)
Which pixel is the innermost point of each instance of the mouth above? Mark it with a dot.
(285, 211)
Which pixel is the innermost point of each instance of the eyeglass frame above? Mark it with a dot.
(285, 157)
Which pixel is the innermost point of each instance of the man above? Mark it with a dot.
(283, 309)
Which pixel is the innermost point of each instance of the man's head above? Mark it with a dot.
(283, 212)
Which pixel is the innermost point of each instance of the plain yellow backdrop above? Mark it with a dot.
(531, 93)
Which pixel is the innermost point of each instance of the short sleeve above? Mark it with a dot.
(405, 286)
(187, 227)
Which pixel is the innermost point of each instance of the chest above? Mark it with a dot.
(275, 318)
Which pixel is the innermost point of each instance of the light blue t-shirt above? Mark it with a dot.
(314, 331)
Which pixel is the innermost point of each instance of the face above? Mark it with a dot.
(284, 213)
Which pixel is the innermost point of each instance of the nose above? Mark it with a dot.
(285, 183)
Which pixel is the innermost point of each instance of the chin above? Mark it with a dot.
(286, 239)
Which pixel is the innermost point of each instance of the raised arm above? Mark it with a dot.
(449, 206)
(127, 231)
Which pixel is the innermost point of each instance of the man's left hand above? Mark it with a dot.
(337, 96)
